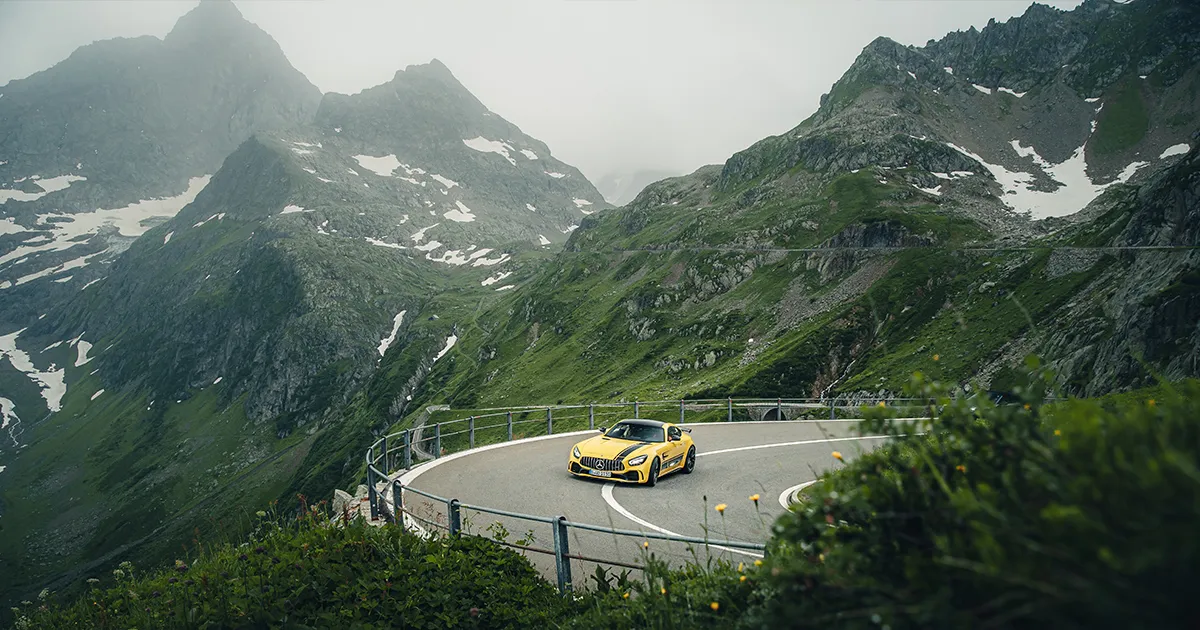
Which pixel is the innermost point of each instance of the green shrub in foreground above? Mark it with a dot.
(306, 574)
(1076, 515)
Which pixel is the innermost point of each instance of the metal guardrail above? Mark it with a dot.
(396, 453)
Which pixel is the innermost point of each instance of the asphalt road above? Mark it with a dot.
(734, 461)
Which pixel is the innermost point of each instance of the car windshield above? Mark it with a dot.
(636, 432)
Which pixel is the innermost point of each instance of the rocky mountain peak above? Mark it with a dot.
(211, 21)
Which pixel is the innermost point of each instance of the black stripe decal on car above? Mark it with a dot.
(621, 456)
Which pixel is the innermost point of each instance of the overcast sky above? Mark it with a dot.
(609, 85)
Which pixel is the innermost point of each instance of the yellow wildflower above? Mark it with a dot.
(625, 595)
(741, 567)
(960, 468)
(838, 456)
(645, 544)
(664, 590)
(721, 508)
(1150, 402)
(715, 606)
(754, 498)
(758, 563)
(936, 357)
(743, 578)
(1057, 432)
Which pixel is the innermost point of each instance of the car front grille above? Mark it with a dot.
(599, 463)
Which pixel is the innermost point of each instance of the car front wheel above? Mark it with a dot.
(689, 464)
(652, 478)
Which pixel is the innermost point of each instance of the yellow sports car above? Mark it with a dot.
(634, 451)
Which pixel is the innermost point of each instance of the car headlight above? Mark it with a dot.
(575, 452)
(637, 461)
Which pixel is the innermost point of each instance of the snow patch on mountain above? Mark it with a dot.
(462, 214)
(542, 240)
(483, 145)
(293, 209)
(49, 185)
(529, 154)
(489, 262)
(530, 207)
(450, 341)
(9, 226)
(1077, 188)
(419, 235)
(555, 175)
(1178, 149)
(52, 381)
(386, 342)
(82, 348)
(66, 230)
(1009, 91)
(455, 257)
(379, 243)
(445, 181)
(496, 278)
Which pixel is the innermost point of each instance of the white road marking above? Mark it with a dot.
(409, 476)
(785, 497)
(606, 492)
(823, 440)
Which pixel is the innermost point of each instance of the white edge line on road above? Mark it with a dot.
(409, 476)
(821, 441)
(785, 497)
(606, 492)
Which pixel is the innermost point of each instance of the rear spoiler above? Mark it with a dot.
(685, 429)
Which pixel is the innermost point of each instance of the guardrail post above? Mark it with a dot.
(562, 563)
(549, 422)
(398, 502)
(437, 440)
(509, 426)
(387, 469)
(371, 496)
(471, 430)
(779, 409)
(681, 411)
(832, 415)
(635, 409)
(455, 518)
(407, 449)
(592, 417)
(730, 409)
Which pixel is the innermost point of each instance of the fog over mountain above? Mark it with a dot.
(651, 103)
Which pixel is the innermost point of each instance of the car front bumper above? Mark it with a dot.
(627, 475)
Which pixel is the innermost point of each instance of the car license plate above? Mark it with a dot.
(600, 473)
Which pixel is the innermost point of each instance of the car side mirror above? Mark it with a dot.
(604, 429)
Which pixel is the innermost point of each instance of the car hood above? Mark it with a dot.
(609, 448)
